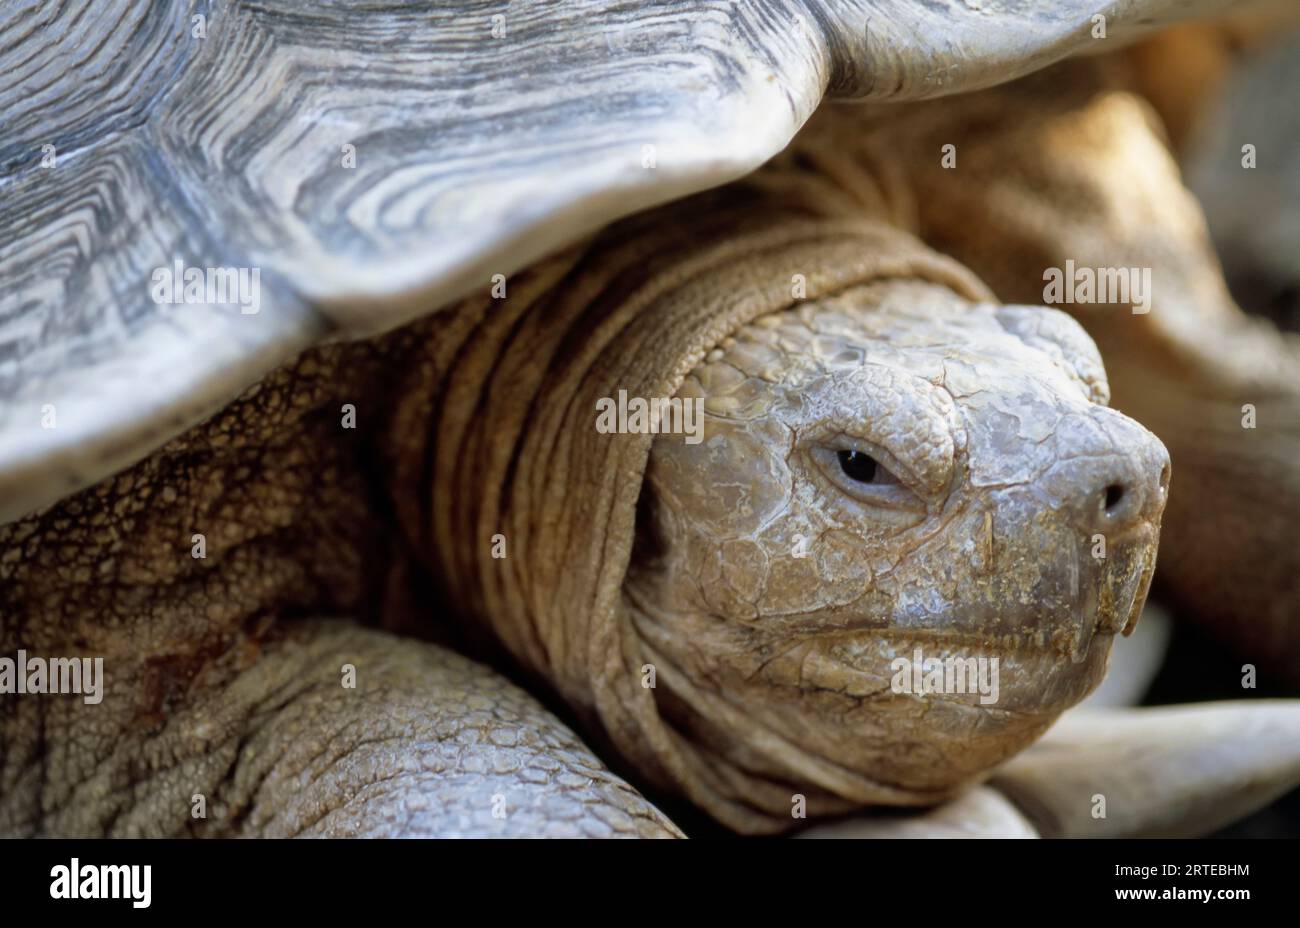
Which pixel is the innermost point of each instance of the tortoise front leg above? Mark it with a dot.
(1171, 771)
(1166, 771)
(338, 731)
(359, 733)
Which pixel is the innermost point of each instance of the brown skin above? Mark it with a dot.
(968, 534)
(222, 681)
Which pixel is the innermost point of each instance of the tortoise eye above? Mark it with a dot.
(865, 476)
(858, 466)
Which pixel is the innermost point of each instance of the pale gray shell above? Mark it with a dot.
(485, 135)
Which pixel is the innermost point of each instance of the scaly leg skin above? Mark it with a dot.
(428, 743)
(1170, 771)
(226, 707)
(1160, 772)
(1071, 166)
(337, 731)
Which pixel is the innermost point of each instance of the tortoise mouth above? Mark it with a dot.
(1003, 674)
(1087, 598)
(1037, 662)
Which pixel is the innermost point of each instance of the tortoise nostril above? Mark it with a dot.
(1114, 494)
(1164, 477)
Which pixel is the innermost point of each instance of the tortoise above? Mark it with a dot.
(382, 431)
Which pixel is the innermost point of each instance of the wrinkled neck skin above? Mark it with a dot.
(777, 590)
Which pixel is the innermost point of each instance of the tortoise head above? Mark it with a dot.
(904, 545)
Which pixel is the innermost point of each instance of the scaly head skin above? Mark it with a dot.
(890, 470)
